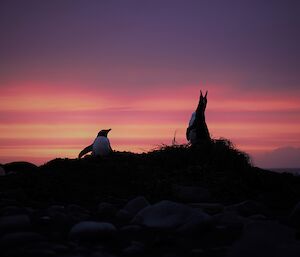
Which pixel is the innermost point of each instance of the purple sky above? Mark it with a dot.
(251, 43)
(144, 62)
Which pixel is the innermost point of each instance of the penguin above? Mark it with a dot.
(197, 131)
(191, 133)
(100, 147)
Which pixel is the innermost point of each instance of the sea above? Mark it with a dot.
(295, 171)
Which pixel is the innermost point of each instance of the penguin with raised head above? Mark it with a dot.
(100, 147)
(197, 131)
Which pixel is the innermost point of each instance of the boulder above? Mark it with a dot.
(294, 217)
(7, 201)
(14, 223)
(248, 208)
(97, 253)
(228, 227)
(230, 219)
(134, 249)
(131, 231)
(171, 215)
(76, 208)
(39, 253)
(77, 213)
(266, 238)
(127, 213)
(123, 217)
(20, 167)
(19, 239)
(191, 194)
(258, 217)
(58, 221)
(106, 211)
(135, 205)
(13, 210)
(210, 208)
(54, 209)
(92, 231)
(2, 171)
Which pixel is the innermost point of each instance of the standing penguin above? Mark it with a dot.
(197, 131)
(100, 147)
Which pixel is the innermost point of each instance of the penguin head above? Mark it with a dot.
(203, 101)
(103, 133)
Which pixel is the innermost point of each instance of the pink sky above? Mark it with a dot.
(70, 68)
(43, 121)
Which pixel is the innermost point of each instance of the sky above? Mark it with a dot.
(71, 68)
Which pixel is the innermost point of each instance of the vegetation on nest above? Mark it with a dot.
(216, 165)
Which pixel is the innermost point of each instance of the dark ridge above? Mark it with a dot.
(216, 166)
(19, 167)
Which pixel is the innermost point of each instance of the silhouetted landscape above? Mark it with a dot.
(178, 200)
(89, 88)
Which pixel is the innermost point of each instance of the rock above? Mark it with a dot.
(19, 239)
(131, 231)
(4, 202)
(54, 222)
(77, 213)
(135, 205)
(294, 217)
(197, 252)
(258, 217)
(266, 238)
(40, 253)
(248, 208)
(171, 215)
(230, 219)
(36, 249)
(134, 249)
(191, 194)
(14, 196)
(210, 208)
(54, 209)
(12, 210)
(228, 227)
(20, 167)
(92, 231)
(2, 171)
(123, 217)
(60, 248)
(59, 221)
(106, 211)
(75, 208)
(100, 254)
(14, 223)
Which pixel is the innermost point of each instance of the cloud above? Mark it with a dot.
(283, 157)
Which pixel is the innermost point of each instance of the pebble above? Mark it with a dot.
(294, 217)
(135, 205)
(170, 215)
(14, 223)
(92, 231)
(266, 238)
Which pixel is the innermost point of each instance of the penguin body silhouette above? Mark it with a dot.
(192, 135)
(100, 147)
(197, 131)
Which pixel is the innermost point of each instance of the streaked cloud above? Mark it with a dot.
(70, 68)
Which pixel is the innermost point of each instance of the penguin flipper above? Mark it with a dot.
(85, 151)
(187, 134)
(110, 149)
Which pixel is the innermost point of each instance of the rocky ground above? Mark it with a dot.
(176, 201)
